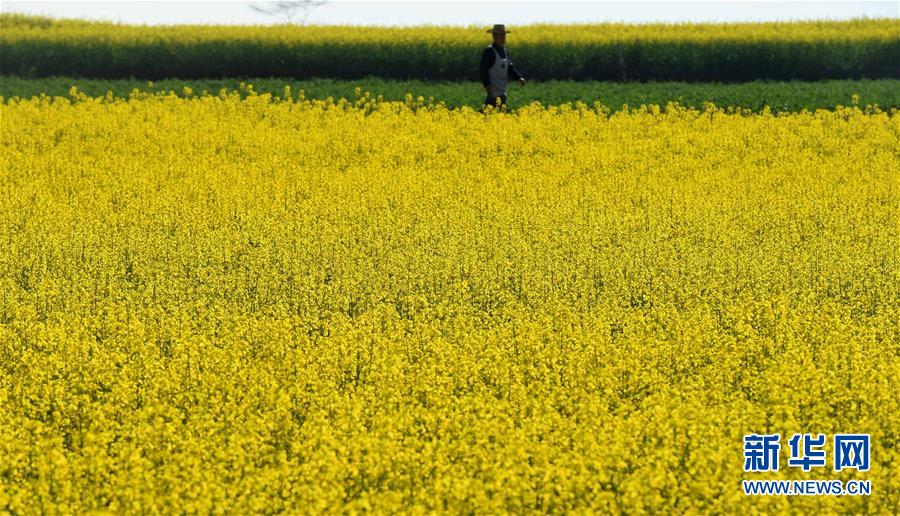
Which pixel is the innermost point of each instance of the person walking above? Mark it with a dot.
(496, 68)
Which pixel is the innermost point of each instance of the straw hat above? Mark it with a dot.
(499, 29)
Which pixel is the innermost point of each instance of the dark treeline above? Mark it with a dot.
(723, 53)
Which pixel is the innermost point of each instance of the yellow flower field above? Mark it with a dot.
(211, 304)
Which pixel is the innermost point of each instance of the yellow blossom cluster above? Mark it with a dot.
(224, 305)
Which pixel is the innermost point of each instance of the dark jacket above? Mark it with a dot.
(487, 60)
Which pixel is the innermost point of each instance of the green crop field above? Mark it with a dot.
(778, 96)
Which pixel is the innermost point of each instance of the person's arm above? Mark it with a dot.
(487, 61)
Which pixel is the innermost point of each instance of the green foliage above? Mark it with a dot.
(810, 50)
(779, 96)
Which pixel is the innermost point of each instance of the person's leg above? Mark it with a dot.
(491, 101)
(503, 102)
